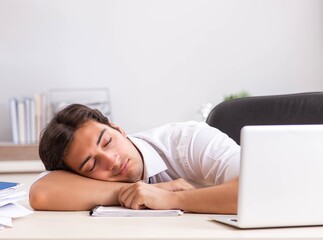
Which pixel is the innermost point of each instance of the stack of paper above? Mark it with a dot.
(9, 208)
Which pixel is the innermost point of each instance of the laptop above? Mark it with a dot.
(281, 177)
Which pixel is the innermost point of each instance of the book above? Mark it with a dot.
(7, 189)
(117, 211)
(21, 122)
(6, 185)
(27, 105)
(28, 116)
(33, 138)
(13, 108)
(38, 115)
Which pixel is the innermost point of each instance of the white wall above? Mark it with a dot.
(160, 59)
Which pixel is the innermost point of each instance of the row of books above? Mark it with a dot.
(10, 194)
(28, 116)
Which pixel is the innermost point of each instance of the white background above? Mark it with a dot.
(160, 59)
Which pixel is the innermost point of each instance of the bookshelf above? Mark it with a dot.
(30, 114)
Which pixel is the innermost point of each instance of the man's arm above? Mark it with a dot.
(217, 199)
(62, 190)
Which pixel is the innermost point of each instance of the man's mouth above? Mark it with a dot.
(123, 167)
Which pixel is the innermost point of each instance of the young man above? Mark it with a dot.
(189, 166)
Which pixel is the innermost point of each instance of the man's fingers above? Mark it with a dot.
(124, 195)
(137, 202)
(130, 196)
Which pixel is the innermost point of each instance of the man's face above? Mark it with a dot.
(101, 152)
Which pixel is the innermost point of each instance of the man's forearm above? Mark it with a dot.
(61, 190)
(222, 199)
(217, 199)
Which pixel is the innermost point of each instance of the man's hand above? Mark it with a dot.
(175, 185)
(141, 195)
(221, 199)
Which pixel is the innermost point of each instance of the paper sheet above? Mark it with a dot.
(5, 222)
(14, 197)
(14, 210)
(9, 208)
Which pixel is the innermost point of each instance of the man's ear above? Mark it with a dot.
(118, 128)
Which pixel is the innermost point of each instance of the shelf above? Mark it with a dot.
(19, 158)
(12, 151)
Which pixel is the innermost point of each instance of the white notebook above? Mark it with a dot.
(117, 211)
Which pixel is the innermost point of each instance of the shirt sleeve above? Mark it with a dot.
(41, 175)
(212, 156)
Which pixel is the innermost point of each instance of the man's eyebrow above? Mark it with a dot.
(100, 136)
(97, 143)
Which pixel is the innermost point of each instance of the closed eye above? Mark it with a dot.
(107, 143)
(93, 166)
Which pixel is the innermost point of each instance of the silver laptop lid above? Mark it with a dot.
(281, 176)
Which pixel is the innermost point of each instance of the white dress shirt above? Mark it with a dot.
(194, 151)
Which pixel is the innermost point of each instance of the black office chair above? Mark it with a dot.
(301, 108)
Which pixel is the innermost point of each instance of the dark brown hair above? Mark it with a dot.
(58, 134)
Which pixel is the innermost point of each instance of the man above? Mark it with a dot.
(189, 166)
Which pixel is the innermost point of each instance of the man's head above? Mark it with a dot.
(83, 140)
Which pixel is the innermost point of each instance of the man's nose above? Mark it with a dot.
(110, 160)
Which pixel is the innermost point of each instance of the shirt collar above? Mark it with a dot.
(153, 163)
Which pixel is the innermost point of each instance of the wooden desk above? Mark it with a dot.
(79, 225)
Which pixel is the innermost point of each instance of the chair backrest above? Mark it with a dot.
(300, 108)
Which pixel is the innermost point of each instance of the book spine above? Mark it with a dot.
(13, 108)
(21, 122)
(26, 102)
(32, 121)
(37, 98)
(44, 111)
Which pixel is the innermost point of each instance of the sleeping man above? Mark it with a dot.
(91, 161)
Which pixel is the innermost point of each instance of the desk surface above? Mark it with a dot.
(79, 225)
